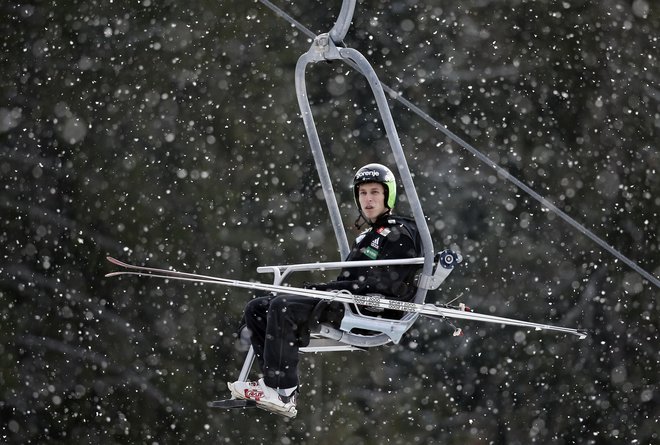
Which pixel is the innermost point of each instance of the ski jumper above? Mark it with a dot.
(279, 325)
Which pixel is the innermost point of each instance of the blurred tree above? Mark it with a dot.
(168, 134)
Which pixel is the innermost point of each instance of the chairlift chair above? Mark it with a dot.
(380, 331)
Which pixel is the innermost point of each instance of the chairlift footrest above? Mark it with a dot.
(232, 404)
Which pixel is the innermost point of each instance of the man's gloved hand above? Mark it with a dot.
(316, 286)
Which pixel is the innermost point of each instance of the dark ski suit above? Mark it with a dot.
(280, 324)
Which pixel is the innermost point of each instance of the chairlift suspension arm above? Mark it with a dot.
(324, 48)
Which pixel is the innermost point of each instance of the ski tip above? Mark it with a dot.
(113, 260)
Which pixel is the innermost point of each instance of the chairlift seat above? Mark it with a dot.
(380, 330)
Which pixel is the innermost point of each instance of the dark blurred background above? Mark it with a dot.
(168, 134)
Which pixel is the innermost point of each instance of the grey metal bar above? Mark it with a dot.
(317, 52)
(247, 365)
(338, 265)
(339, 30)
(365, 68)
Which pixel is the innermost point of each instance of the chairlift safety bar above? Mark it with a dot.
(282, 271)
(446, 261)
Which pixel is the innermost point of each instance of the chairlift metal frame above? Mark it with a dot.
(328, 338)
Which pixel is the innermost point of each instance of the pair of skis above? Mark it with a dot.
(428, 309)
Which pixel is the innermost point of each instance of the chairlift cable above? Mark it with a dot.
(289, 19)
(486, 160)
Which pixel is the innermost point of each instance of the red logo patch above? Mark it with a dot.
(254, 394)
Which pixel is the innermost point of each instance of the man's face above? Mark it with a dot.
(372, 200)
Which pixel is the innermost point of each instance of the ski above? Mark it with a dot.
(427, 309)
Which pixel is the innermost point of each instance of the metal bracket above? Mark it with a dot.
(324, 48)
(446, 261)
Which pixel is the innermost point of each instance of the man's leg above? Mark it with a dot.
(279, 325)
(288, 318)
(256, 314)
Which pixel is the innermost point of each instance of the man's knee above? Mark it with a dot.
(279, 304)
(255, 307)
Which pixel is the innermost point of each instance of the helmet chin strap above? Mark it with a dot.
(365, 220)
(360, 221)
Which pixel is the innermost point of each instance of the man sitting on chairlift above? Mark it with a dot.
(278, 325)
